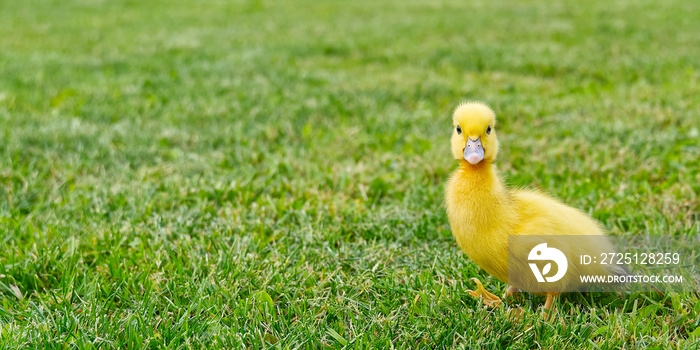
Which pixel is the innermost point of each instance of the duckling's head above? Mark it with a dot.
(474, 133)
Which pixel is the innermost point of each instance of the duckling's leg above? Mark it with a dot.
(510, 292)
(550, 300)
(550, 312)
(487, 298)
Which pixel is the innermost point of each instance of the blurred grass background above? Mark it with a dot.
(179, 174)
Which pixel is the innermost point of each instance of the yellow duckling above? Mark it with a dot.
(483, 212)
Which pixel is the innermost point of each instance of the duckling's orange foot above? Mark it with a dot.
(516, 315)
(487, 298)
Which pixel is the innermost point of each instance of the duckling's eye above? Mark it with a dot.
(488, 130)
(459, 129)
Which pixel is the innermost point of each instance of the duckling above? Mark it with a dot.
(483, 212)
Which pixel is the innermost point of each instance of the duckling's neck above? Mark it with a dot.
(480, 190)
(480, 179)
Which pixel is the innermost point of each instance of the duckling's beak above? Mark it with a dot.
(473, 151)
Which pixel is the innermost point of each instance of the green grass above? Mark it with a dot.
(179, 174)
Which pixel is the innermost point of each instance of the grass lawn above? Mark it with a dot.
(180, 174)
